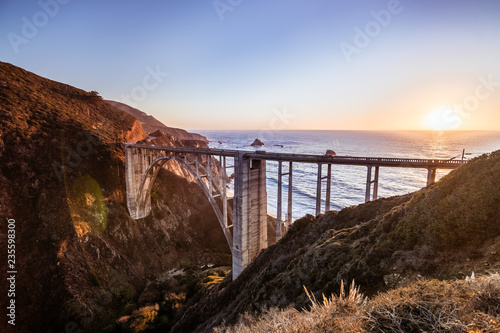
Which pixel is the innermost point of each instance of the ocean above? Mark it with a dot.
(348, 182)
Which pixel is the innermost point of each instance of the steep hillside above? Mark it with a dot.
(81, 260)
(151, 124)
(445, 231)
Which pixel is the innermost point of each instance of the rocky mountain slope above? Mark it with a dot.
(445, 231)
(81, 260)
(151, 124)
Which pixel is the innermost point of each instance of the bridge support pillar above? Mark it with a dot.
(290, 193)
(328, 188)
(318, 189)
(375, 184)
(281, 224)
(137, 161)
(431, 176)
(250, 211)
(279, 219)
(368, 183)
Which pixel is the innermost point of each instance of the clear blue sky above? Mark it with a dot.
(279, 64)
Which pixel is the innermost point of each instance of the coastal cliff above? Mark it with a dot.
(81, 259)
(151, 124)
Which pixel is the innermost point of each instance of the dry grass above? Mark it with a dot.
(425, 306)
(339, 313)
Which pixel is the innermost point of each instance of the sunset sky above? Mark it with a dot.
(279, 64)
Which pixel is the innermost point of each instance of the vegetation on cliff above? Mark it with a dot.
(445, 231)
(81, 259)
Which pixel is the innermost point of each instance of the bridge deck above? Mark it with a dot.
(247, 232)
(324, 159)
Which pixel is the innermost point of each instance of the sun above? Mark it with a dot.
(442, 119)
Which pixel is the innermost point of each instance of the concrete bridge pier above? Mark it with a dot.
(250, 211)
(369, 183)
(279, 204)
(319, 181)
(137, 162)
(431, 176)
(318, 189)
(290, 192)
(328, 188)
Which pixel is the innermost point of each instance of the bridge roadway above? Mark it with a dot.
(309, 158)
(245, 223)
(430, 164)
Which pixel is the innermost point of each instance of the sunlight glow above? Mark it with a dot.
(443, 119)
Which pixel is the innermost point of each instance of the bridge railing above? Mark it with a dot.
(402, 160)
(309, 158)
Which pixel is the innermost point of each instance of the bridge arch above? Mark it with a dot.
(157, 164)
(247, 234)
(141, 183)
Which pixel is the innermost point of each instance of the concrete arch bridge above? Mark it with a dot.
(244, 223)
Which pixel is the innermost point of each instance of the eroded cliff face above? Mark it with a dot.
(136, 133)
(81, 259)
(150, 124)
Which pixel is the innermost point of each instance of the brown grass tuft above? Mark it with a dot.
(424, 306)
(335, 314)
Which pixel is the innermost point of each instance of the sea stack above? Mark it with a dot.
(257, 142)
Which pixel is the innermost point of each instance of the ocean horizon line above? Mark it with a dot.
(339, 130)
